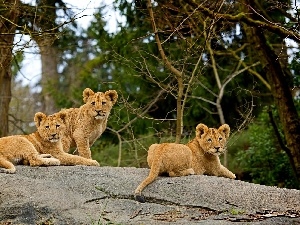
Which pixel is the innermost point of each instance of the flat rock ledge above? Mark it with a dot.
(104, 195)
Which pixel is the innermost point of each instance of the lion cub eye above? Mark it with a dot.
(93, 103)
(220, 139)
(209, 140)
(103, 103)
(57, 125)
(47, 127)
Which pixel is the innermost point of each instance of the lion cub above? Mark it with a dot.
(85, 125)
(199, 156)
(52, 130)
(24, 148)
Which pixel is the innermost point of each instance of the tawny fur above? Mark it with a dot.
(19, 149)
(199, 156)
(85, 125)
(52, 130)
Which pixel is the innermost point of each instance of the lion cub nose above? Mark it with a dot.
(53, 135)
(217, 148)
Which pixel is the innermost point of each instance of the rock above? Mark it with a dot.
(104, 195)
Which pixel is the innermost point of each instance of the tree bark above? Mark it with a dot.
(8, 21)
(49, 80)
(46, 22)
(283, 100)
(281, 93)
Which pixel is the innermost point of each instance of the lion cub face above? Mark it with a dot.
(51, 128)
(213, 141)
(99, 104)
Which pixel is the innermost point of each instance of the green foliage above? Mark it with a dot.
(238, 142)
(17, 60)
(128, 61)
(133, 152)
(264, 160)
(295, 66)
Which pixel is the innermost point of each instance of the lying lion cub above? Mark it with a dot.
(199, 156)
(24, 148)
(52, 129)
(85, 125)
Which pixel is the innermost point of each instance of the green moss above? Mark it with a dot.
(235, 211)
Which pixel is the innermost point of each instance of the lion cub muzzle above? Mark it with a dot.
(218, 150)
(54, 138)
(100, 114)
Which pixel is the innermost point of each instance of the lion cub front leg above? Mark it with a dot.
(82, 143)
(72, 160)
(84, 152)
(8, 167)
(224, 172)
(37, 160)
(26, 162)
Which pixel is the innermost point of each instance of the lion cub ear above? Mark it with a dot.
(86, 94)
(38, 117)
(225, 129)
(112, 95)
(201, 129)
(63, 116)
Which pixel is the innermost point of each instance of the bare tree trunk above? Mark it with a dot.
(46, 21)
(10, 12)
(179, 109)
(283, 100)
(50, 75)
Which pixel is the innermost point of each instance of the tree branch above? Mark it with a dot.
(242, 17)
(177, 73)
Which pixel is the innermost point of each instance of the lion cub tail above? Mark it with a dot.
(153, 174)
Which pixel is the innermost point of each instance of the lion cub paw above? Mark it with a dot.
(10, 171)
(94, 163)
(191, 171)
(232, 176)
(52, 161)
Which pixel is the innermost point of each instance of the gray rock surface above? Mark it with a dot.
(104, 195)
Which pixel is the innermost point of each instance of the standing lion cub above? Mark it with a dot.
(85, 125)
(199, 156)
